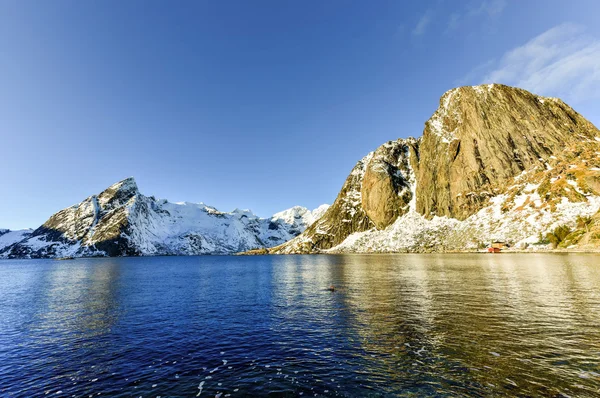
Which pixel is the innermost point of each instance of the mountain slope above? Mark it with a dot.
(8, 237)
(120, 221)
(494, 162)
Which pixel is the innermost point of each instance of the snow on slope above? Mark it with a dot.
(522, 225)
(300, 217)
(8, 237)
(161, 227)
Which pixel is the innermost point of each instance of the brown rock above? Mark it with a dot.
(481, 137)
(478, 140)
(386, 186)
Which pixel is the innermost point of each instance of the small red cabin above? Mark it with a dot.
(494, 250)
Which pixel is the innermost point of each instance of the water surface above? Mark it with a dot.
(410, 325)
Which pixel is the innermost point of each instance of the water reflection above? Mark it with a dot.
(77, 300)
(425, 325)
(488, 323)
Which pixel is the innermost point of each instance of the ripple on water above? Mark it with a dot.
(425, 325)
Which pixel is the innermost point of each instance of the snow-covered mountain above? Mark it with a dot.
(120, 221)
(494, 163)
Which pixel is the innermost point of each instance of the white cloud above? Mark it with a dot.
(423, 23)
(485, 8)
(563, 62)
(489, 7)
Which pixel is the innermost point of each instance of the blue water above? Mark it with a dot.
(409, 325)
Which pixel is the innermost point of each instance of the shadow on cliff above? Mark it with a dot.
(47, 242)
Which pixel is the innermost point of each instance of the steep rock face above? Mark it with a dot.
(343, 217)
(509, 163)
(375, 193)
(557, 193)
(480, 137)
(120, 221)
(386, 189)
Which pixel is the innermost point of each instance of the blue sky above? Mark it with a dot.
(253, 104)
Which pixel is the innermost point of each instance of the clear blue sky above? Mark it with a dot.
(253, 104)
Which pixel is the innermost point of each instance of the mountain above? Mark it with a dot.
(120, 221)
(494, 163)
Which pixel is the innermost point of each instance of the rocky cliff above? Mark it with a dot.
(481, 137)
(120, 221)
(376, 192)
(494, 162)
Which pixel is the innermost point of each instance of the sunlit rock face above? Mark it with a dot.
(481, 137)
(386, 189)
(493, 162)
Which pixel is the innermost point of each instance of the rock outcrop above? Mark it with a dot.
(386, 191)
(481, 137)
(376, 192)
(482, 148)
(343, 217)
(585, 234)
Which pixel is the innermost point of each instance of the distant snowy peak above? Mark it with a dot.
(319, 212)
(120, 221)
(299, 215)
(8, 237)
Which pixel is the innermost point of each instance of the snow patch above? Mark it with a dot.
(8, 237)
(437, 121)
(521, 226)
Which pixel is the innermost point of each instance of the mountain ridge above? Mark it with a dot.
(494, 162)
(120, 221)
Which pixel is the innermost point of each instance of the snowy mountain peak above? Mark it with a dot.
(126, 185)
(243, 212)
(121, 221)
(319, 211)
(118, 193)
(291, 213)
